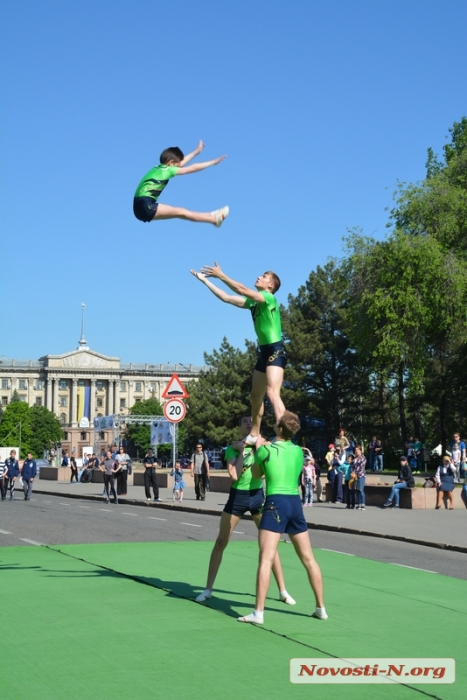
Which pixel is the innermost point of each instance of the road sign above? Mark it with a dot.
(175, 389)
(174, 410)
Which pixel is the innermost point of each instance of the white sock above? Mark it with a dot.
(256, 617)
(320, 613)
(286, 598)
(205, 595)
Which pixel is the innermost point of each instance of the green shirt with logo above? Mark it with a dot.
(282, 464)
(155, 180)
(266, 318)
(246, 482)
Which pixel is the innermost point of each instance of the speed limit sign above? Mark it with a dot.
(174, 410)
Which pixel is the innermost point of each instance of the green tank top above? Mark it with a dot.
(246, 482)
(282, 464)
(266, 318)
(155, 180)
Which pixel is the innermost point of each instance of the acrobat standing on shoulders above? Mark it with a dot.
(268, 374)
(172, 162)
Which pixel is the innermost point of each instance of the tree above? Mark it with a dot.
(15, 428)
(141, 434)
(45, 428)
(220, 396)
(324, 379)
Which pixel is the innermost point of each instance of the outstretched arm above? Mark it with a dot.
(219, 293)
(193, 154)
(237, 287)
(196, 167)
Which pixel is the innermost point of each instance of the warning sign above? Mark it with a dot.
(175, 389)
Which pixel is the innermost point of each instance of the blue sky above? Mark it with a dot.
(321, 106)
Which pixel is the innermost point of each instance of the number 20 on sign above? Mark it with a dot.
(174, 410)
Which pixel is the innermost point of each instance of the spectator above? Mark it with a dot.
(109, 467)
(404, 480)
(418, 454)
(319, 487)
(462, 446)
(65, 459)
(329, 456)
(123, 461)
(349, 490)
(337, 462)
(28, 474)
(342, 440)
(3, 479)
(359, 466)
(199, 467)
(409, 447)
(179, 483)
(150, 477)
(12, 465)
(371, 453)
(308, 481)
(445, 480)
(74, 469)
(456, 456)
(378, 456)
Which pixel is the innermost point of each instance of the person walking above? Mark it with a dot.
(12, 466)
(123, 461)
(109, 467)
(445, 480)
(28, 474)
(199, 467)
(359, 467)
(150, 477)
(74, 469)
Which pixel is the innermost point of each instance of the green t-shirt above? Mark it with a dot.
(282, 464)
(266, 318)
(246, 482)
(155, 180)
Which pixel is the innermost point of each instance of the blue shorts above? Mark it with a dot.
(283, 514)
(240, 502)
(273, 355)
(144, 208)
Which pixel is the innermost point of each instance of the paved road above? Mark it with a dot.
(58, 520)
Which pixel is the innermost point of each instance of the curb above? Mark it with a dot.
(311, 526)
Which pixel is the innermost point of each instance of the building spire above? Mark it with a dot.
(82, 343)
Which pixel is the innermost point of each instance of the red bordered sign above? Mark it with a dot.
(174, 410)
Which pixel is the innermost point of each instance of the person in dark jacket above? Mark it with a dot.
(28, 474)
(12, 465)
(404, 480)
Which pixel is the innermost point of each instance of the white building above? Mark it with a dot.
(83, 384)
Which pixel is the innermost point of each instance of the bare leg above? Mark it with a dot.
(274, 378)
(276, 566)
(302, 545)
(165, 211)
(227, 525)
(258, 391)
(268, 542)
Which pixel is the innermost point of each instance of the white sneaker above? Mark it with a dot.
(253, 618)
(250, 440)
(320, 614)
(287, 599)
(205, 595)
(220, 215)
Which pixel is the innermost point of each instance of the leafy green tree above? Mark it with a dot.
(45, 428)
(324, 379)
(220, 396)
(15, 428)
(141, 434)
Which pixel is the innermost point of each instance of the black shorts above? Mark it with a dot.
(144, 208)
(273, 355)
(240, 502)
(283, 514)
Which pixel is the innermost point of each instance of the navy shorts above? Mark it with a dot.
(283, 514)
(273, 355)
(240, 502)
(144, 208)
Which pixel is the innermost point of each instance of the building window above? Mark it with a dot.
(122, 386)
(63, 421)
(102, 435)
(81, 382)
(152, 387)
(99, 385)
(137, 400)
(84, 436)
(137, 386)
(122, 403)
(22, 384)
(4, 400)
(38, 400)
(22, 397)
(62, 401)
(62, 384)
(100, 403)
(39, 385)
(5, 383)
